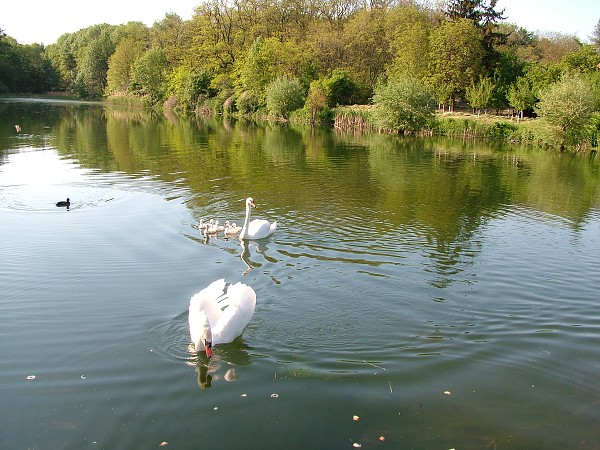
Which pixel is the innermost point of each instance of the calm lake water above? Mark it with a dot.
(445, 293)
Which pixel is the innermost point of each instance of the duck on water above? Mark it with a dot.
(63, 203)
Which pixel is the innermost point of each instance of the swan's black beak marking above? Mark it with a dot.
(208, 349)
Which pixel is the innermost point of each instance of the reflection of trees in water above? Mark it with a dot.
(439, 188)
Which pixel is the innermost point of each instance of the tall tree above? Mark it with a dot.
(408, 28)
(521, 95)
(455, 58)
(148, 76)
(479, 95)
(483, 13)
(119, 66)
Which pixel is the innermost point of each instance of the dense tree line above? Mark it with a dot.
(251, 55)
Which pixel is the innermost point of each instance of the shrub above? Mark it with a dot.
(247, 103)
(403, 104)
(567, 106)
(284, 95)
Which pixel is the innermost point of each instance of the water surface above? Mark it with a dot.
(444, 292)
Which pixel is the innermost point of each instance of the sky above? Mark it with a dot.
(43, 21)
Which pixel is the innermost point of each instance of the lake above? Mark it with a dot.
(418, 293)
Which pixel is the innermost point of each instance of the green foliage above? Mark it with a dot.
(585, 60)
(520, 95)
(338, 88)
(118, 76)
(403, 104)
(247, 103)
(566, 106)
(479, 95)
(316, 103)
(24, 68)
(455, 58)
(148, 76)
(408, 29)
(457, 127)
(284, 95)
(188, 87)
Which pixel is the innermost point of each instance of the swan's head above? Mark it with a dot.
(250, 202)
(206, 337)
(208, 348)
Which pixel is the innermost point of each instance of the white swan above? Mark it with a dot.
(258, 228)
(219, 313)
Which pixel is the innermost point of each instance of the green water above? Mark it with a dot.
(444, 292)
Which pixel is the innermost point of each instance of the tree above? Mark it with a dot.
(408, 29)
(148, 75)
(566, 106)
(520, 95)
(403, 104)
(119, 66)
(455, 58)
(585, 60)
(90, 81)
(168, 34)
(316, 101)
(366, 46)
(284, 95)
(339, 88)
(595, 37)
(479, 95)
(189, 87)
(484, 15)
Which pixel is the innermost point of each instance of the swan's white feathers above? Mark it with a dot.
(257, 228)
(241, 301)
(227, 308)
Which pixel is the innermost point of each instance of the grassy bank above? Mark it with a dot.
(464, 125)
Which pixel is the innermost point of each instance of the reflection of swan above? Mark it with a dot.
(202, 225)
(63, 203)
(258, 228)
(219, 313)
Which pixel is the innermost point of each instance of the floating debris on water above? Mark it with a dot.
(83, 376)
(356, 445)
(31, 377)
(163, 444)
(447, 392)
(274, 395)
(244, 395)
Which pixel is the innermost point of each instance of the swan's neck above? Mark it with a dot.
(205, 333)
(246, 222)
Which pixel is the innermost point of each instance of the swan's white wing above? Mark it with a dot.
(237, 314)
(205, 303)
(260, 228)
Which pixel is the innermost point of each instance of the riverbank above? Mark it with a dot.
(467, 125)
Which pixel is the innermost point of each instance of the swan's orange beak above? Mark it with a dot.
(208, 349)
(253, 204)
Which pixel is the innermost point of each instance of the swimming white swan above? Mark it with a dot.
(258, 228)
(219, 313)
